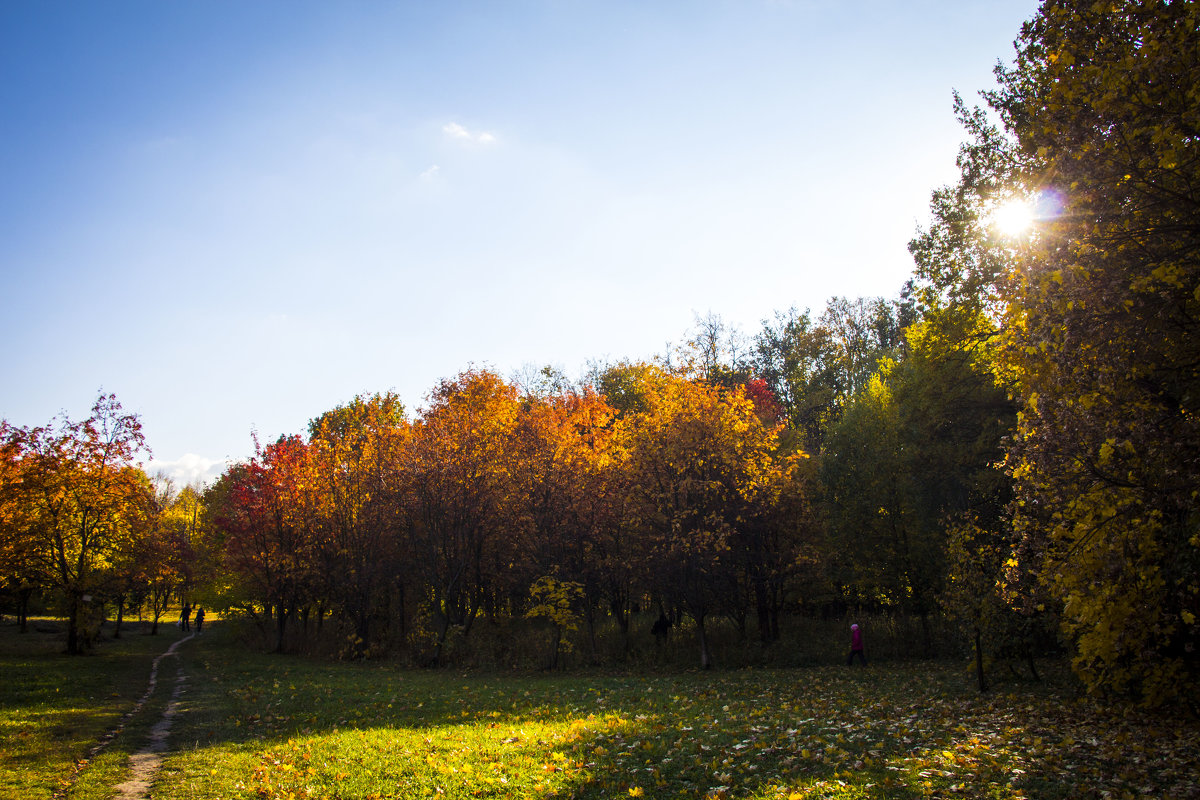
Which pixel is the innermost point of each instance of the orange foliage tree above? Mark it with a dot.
(85, 501)
(564, 455)
(701, 463)
(355, 451)
(458, 491)
(19, 569)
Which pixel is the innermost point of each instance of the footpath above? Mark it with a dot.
(146, 762)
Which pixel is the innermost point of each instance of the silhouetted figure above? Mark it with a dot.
(199, 619)
(662, 628)
(184, 624)
(856, 646)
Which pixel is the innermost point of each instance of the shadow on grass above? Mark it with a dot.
(55, 708)
(270, 725)
(256, 725)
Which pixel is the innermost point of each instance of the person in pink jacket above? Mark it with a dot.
(856, 646)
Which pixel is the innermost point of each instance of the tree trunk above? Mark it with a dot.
(762, 608)
(23, 608)
(281, 615)
(702, 639)
(73, 626)
(556, 642)
(589, 616)
(979, 660)
(120, 616)
(442, 622)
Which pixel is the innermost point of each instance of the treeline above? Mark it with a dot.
(738, 478)
(1013, 444)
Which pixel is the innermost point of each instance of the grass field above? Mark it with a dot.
(55, 709)
(260, 726)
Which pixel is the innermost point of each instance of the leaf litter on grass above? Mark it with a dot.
(903, 732)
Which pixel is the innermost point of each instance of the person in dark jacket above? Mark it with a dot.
(199, 619)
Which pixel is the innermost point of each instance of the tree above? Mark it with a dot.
(862, 332)
(555, 601)
(87, 502)
(814, 369)
(913, 453)
(715, 352)
(1096, 315)
(20, 571)
(164, 559)
(697, 457)
(1102, 341)
(459, 495)
(566, 463)
(265, 521)
(355, 450)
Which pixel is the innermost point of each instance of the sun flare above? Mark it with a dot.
(1013, 217)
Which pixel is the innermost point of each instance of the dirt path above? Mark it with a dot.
(146, 762)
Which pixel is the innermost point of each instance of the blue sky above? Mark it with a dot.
(237, 215)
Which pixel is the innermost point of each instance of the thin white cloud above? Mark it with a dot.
(189, 470)
(459, 133)
(430, 173)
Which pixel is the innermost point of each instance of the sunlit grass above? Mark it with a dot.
(260, 726)
(280, 727)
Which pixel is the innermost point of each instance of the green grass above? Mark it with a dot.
(260, 726)
(54, 708)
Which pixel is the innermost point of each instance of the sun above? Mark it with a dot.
(1014, 217)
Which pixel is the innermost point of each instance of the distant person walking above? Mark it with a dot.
(856, 646)
(199, 619)
(184, 617)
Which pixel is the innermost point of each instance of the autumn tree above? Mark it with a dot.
(264, 510)
(1096, 313)
(87, 501)
(696, 459)
(565, 463)
(458, 494)
(164, 558)
(21, 573)
(556, 602)
(354, 451)
(1103, 334)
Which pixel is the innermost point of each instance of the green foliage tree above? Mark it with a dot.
(1096, 315)
(814, 369)
(796, 359)
(1103, 334)
(916, 450)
